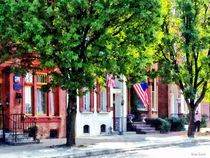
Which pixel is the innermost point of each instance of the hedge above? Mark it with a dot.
(203, 120)
(177, 124)
(159, 124)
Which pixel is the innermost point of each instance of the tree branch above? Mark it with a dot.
(202, 94)
(182, 88)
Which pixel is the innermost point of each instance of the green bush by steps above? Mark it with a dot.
(203, 120)
(177, 124)
(159, 124)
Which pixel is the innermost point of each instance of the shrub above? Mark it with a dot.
(177, 124)
(159, 124)
(203, 121)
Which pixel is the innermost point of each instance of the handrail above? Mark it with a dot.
(24, 122)
(16, 123)
(11, 126)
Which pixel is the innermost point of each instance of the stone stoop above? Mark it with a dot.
(21, 138)
(143, 128)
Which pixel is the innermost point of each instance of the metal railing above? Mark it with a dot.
(10, 127)
(24, 122)
(15, 123)
(119, 123)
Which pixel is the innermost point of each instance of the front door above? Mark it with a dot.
(1, 118)
(1, 106)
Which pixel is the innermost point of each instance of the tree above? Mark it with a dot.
(85, 39)
(183, 53)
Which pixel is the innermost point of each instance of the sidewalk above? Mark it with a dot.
(100, 145)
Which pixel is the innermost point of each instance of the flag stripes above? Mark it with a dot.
(142, 92)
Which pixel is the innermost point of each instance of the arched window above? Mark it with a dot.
(103, 128)
(86, 129)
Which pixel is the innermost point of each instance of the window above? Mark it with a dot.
(104, 100)
(140, 104)
(37, 101)
(51, 102)
(86, 129)
(87, 101)
(29, 78)
(41, 78)
(41, 101)
(53, 133)
(103, 128)
(153, 94)
(28, 100)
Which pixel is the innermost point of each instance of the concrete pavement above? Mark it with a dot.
(100, 145)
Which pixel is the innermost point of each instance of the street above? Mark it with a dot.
(187, 150)
(128, 145)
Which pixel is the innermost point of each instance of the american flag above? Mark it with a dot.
(142, 92)
(110, 81)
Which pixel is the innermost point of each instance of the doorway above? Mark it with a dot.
(1, 104)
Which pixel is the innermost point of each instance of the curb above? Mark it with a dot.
(114, 151)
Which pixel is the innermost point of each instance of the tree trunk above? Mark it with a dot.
(191, 131)
(70, 121)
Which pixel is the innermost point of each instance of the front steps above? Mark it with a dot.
(143, 128)
(21, 138)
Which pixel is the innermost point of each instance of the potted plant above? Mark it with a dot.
(130, 126)
(33, 131)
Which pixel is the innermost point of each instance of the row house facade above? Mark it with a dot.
(102, 111)
(25, 104)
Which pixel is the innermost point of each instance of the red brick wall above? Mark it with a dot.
(162, 100)
(205, 109)
(44, 123)
(54, 123)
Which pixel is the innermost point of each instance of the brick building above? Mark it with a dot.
(26, 104)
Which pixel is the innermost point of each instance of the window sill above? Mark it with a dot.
(86, 112)
(141, 109)
(104, 112)
(41, 118)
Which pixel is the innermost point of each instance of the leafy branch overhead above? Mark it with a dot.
(84, 39)
(183, 54)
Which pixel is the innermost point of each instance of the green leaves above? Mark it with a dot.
(183, 51)
(85, 39)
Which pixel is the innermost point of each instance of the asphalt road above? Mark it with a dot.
(187, 150)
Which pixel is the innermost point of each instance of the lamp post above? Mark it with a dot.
(121, 109)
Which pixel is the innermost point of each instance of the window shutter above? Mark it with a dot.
(98, 98)
(92, 101)
(108, 99)
(81, 103)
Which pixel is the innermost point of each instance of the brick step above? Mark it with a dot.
(138, 123)
(22, 142)
(143, 128)
(139, 131)
(21, 138)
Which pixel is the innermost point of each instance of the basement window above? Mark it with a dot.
(103, 128)
(53, 133)
(86, 129)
